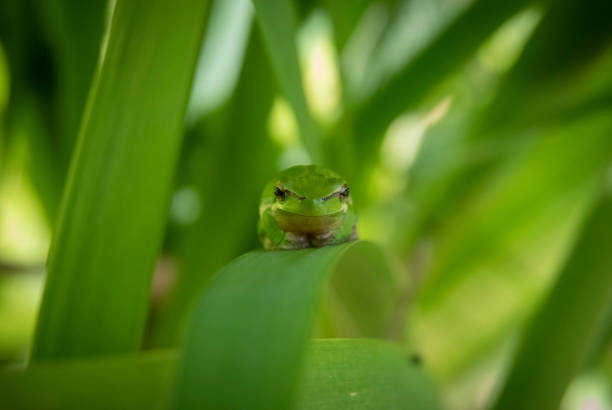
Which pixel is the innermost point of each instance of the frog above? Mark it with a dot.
(306, 206)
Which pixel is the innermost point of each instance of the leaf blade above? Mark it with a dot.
(245, 345)
(277, 22)
(411, 84)
(100, 268)
(379, 372)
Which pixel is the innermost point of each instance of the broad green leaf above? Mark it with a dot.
(361, 298)
(228, 158)
(338, 374)
(112, 217)
(573, 317)
(362, 374)
(245, 344)
(277, 21)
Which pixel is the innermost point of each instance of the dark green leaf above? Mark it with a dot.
(75, 30)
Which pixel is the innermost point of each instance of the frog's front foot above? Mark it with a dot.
(322, 239)
(354, 235)
(331, 238)
(294, 241)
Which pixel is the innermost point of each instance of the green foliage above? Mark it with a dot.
(250, 328)
(214, 237)
(277, 23)
(444, 55)
(116, 196)
(474, 135)
(337, 373)
(569, 323)
(535, 202)
(110, 382)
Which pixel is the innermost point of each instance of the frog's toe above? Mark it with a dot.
(354, 235)
(325, 239)
(294, 241)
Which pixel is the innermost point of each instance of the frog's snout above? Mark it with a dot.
(309, 206)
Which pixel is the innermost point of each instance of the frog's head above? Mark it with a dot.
(310, 190)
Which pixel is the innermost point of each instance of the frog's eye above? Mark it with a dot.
(344, 192)
(279, 193)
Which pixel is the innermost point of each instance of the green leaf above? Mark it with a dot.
(29, 113)
(389, 35)
(245, 345)
(562, 73)
(345, 19)
(338, 374)
(140, 381)
(447, 53)
(227, 155)
(363, 374)
(497, 253)
(52, 49)
(277, 21)
(361, 297)
(516, 191)
(75, 31)
(569, 323)
(221, 57)
(114, 207)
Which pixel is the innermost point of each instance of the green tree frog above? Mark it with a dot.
(306, 206)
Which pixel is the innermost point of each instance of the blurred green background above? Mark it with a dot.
(476, 136)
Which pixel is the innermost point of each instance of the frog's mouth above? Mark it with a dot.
(302, 224)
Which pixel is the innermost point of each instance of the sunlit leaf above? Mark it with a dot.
(221, 57)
